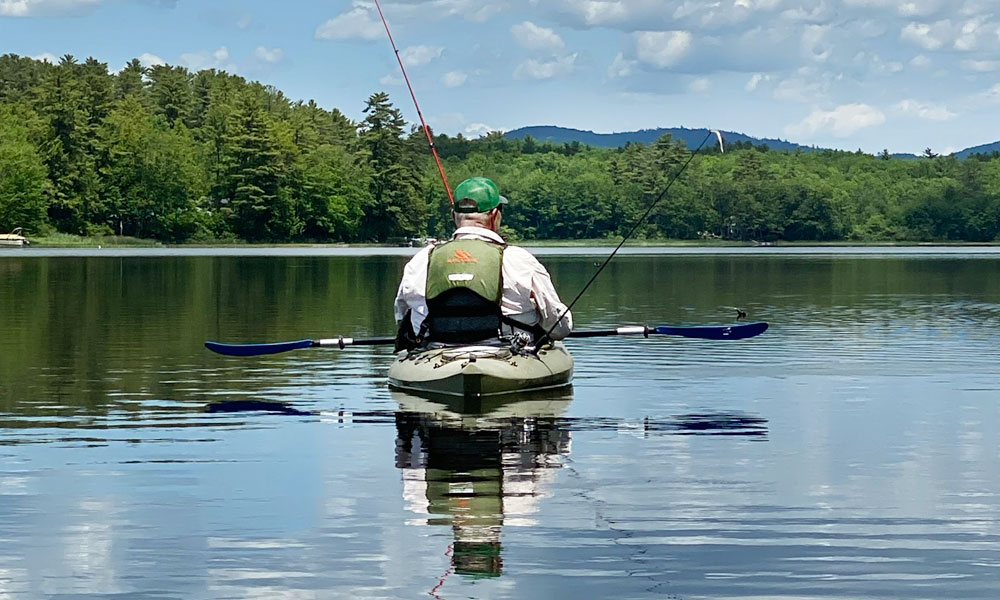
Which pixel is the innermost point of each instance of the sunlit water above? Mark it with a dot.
(849, 452)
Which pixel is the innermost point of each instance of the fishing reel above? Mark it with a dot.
(519, 340)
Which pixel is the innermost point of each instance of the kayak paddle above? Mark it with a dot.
(736, 331)
(278, 347)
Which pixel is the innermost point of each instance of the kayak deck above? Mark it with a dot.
(477, 371)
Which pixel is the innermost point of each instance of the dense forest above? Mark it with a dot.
(176, 156)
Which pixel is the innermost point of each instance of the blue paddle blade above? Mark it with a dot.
(736, 331)
(257, 349)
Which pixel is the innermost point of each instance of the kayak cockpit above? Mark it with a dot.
(481, 370)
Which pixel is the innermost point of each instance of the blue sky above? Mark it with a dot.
(869, 74)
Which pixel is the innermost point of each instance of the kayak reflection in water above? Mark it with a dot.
(479, 465)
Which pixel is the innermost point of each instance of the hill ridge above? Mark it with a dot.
(691, 136)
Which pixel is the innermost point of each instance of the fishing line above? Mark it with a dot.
(427, 132)
(645, 215)
(451, 198)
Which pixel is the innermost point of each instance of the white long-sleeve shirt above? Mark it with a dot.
(528, 294)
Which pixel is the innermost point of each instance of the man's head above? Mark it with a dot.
(478, 202)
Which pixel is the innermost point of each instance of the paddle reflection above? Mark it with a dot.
(477, 465)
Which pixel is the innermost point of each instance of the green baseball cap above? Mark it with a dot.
(484, 192)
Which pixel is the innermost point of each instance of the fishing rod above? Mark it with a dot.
(642, 219)
(427, 132)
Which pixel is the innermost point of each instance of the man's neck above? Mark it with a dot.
(478, 231)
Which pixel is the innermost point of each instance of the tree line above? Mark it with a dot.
(179, 156)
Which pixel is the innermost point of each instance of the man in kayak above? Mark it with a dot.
(473, 286)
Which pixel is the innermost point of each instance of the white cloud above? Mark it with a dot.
(928, 37)
(662, 49)
(991, 96)
(532, 37)
(700, 85)
(920, 61)
(842, 121)
(358, 23)
(151, 60)
(919, 8)
(909, 8)
(478, 129)
(454, 79)
(809, 13)
(755, 81)
(270, 56)
(814, 44)
(968, 36)
(391, 79)
(478, 11)
(46, 8)
(216, 59)
(621, 67)
(641, 15)
(868, 28)
(875, 63)
(47, 57)
(416, 56)
(545, 69)
(599, 12)
(361, 21)
(799, 89)
(981, 66)
(925, 110)
(244, 21)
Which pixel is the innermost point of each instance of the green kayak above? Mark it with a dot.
(477, 371)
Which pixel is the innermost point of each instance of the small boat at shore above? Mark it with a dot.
(478, 371)
(14, 239)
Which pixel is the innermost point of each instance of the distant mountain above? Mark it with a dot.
(983, 149)
(691, 137)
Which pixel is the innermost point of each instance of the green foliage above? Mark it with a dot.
(22, 177)
(396, 207)
(171, 155)
(151, 175)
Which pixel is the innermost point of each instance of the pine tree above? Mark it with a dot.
(395, 207)
(263, 210)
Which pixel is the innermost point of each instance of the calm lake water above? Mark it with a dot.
(849, 452)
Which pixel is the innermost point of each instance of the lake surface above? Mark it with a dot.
(849, 452)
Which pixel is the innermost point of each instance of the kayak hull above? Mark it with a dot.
(481, 371)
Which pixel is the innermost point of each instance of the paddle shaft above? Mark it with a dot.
(707, 332)
(341, 342)
(589, 333)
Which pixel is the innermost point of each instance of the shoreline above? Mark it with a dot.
(595, 253)
(64, 241)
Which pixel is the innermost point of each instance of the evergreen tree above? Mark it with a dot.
(130, 80)
(71, 167)
(395, 207)
(262, 210)
(171, 92)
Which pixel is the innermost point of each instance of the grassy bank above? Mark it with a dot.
(68, 240)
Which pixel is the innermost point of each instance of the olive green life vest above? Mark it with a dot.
(464, 291)
(476, 265)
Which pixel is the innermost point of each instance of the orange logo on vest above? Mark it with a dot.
(461, 256)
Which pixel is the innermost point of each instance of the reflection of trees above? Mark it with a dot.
(477, 474)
